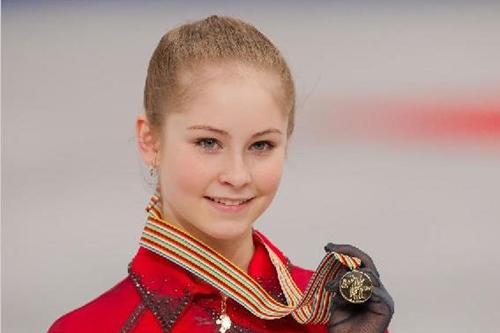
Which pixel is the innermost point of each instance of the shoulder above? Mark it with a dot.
(105, 313)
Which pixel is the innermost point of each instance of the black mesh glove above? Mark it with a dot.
(372, 316)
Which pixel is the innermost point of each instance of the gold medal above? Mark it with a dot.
(355, 286)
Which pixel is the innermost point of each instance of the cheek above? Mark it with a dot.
(186, 174)
(268, 175)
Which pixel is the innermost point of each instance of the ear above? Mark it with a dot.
(147, 140)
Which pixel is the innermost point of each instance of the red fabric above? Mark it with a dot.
(109, 311)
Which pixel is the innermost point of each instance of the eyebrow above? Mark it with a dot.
(213, 129)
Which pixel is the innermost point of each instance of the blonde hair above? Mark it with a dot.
(215, 39)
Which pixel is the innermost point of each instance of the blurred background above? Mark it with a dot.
(396, 148)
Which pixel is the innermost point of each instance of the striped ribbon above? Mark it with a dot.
(182, 248)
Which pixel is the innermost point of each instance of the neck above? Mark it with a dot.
(239, 251)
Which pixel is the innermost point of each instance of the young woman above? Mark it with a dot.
(219, 109)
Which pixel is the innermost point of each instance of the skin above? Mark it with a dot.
(241, 101)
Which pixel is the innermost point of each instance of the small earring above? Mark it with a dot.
(153, 170)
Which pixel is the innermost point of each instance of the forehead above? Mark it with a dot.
(234, 98)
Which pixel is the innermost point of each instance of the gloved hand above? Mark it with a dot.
(372, 316)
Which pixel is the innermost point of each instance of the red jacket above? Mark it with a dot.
(186, 303)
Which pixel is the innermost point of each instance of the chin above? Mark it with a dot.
(229, 232)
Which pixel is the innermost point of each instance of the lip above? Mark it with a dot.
(229, 209)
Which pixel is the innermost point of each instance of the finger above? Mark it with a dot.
(385, 297)
(350, 250)
(337, 299)
(330, 247)
(333, 285)
(374, 276)
(353, 251)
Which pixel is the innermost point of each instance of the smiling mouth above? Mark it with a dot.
(227, 202)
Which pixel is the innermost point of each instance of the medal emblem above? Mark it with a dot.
(355, 286)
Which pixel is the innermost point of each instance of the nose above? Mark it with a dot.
(236, 172)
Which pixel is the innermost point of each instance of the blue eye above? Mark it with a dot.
(206, 143)
(263, 144)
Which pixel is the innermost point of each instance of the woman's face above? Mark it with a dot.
(228, 142)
